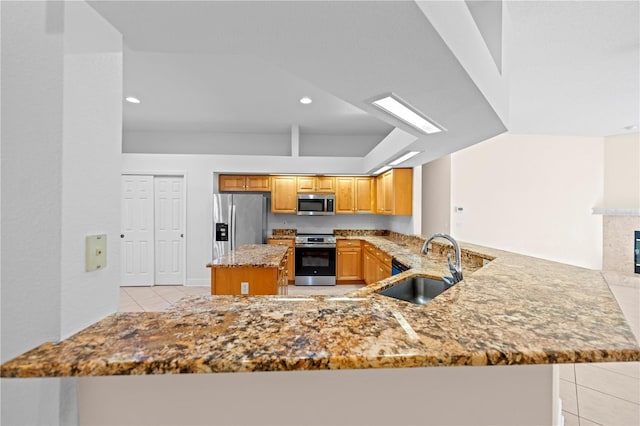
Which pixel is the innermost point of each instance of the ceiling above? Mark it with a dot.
(241, 67)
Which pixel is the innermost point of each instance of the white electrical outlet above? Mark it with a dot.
(244, 287)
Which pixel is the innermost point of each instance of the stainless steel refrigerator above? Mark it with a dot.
(238, 219)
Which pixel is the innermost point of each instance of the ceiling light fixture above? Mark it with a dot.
(132, 100)
(305, 100)
(400, 109)
(382, 170)
(404, 158)
(631, 127)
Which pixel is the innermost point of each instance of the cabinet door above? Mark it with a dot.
(380, 201)
(291, 260)
(283, 194)
(231, 183)
(291, 264)
(257, 183)
(387, 184)
(364, 194)
(344, 195)
(306, 183)
(326, 184)
(368, 266)
(401, 191)
(349, 264)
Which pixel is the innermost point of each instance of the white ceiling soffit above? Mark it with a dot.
(574, 67)
(348, 51)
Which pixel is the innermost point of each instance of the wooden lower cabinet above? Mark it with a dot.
(262, 281)
(291, 256)
(376, 264)
(348, 262)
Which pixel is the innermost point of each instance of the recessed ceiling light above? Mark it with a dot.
(404, 158)
(401, 110)
(132, 100)
(305, 100)
(382, 170)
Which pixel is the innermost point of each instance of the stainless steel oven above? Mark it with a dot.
(315, 259)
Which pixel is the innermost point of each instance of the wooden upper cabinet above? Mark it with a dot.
(255, 183)
(318, 184)
(395, 192)
(355, 194)
(344, 194)
(283, 194)
(365, 194)
(231, 182)
(258, 183)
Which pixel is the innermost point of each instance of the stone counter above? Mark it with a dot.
(513, 310)
(251, 255)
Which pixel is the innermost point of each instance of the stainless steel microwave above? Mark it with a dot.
(316, 204)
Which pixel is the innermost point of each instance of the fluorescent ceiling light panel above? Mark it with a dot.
(399, 109)
(404, 158)
(382, 170)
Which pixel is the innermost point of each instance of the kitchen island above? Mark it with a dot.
(515, 311)
(251, 269)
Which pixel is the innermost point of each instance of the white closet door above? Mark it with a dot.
(169, 227)
(137, 231)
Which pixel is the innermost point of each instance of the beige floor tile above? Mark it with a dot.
(130, 307)
(608, 382)
(155, 307)
(607, 410)
(567, 372)
(631, 369)
(587, 422)
(570, 419)
(141, 293)
(196, 291)
(569, 397)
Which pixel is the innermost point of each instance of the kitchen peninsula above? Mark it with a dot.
(516, 313)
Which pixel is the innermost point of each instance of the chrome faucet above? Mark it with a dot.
(456, 270)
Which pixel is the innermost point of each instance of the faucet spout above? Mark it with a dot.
(454, 268)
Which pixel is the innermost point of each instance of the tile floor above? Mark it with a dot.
(606, 394)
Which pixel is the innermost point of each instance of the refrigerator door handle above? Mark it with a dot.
(233, 227)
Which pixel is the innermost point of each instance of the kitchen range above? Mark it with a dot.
(315, 259)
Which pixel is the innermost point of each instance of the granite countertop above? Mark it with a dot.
(251, 256)
(513, 310)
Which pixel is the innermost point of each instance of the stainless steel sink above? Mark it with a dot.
(418, 290)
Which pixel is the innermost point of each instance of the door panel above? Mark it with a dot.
(169, 230)
(137, 231)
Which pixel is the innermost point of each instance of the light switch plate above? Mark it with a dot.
(96, 252)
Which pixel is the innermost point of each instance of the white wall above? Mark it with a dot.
(622, 171)
(531, 195)
(91, 164)
(60, 166)
(436, 196)
(32, 75)
(170, 142)
(490, 395)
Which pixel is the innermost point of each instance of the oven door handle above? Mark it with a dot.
(315, 246)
